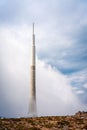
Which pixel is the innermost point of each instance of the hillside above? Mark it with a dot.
(76, 122)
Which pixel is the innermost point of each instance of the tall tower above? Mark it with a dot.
(32, 95)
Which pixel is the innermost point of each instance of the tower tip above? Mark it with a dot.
(33, 28)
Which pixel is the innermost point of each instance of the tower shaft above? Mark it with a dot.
(32, 103)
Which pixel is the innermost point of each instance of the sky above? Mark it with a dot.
(61, 56)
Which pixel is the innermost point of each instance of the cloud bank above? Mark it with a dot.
(54, 92)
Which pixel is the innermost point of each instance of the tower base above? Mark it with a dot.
(32, 115)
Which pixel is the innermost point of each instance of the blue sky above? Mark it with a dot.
(61, 47)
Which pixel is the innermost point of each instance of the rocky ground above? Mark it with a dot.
(76, 122)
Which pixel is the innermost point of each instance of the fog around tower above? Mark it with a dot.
(61, 53)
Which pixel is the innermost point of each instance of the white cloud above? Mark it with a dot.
(54, 93)
(79, 76)
(85, 85)
(79, 91)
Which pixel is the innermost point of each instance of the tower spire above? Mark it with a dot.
(33, 28)
(33, 35)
